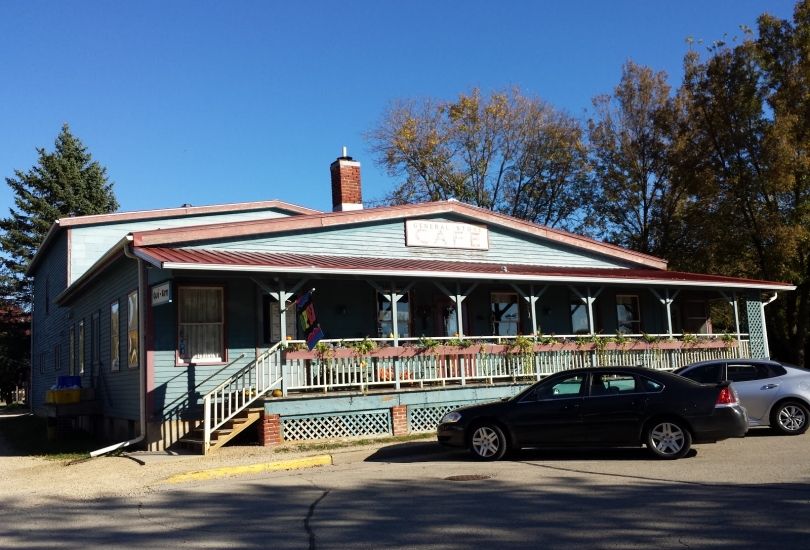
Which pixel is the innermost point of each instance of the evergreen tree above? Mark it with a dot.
(64, 183)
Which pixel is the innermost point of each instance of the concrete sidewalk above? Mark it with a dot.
(236, 461)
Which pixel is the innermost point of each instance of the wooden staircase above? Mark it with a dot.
(246, 418)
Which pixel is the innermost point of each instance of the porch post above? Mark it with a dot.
(732, 301)
(281, 296)
(531, 299)
(457, 299)
(667, 301)
(588, 300)
(736, 316)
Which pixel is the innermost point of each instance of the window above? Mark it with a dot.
(72, 350)
(579, 316)
(612, 384)
(115, 337)
(696, 317)
(132, 329)
(95, 340)
(200, 325)
(385, 323)
(628, 314)
(57, 357)
(743, 373)
(504, 313)
(705, 374)
(271, 320)
(567, 387)
(650, 386)
(81, 347)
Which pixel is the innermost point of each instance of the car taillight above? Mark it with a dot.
(726, 396)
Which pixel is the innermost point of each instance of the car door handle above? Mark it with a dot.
(769, 386)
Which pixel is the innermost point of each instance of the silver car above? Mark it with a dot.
(775, 394)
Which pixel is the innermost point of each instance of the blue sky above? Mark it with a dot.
(214, 102)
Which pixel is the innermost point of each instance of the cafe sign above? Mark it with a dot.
(446, 235)
(162, 293)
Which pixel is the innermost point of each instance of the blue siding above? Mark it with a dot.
(178, 390)
(116, 390)
(49, 323)
(387, 239)
(89, 243)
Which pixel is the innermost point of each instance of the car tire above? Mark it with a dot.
(668, 439)
(790, 418)
(487, 442)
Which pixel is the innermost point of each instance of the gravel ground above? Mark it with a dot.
(34, 479)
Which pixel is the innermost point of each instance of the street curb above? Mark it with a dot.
(230, 471)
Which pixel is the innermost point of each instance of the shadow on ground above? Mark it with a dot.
(548, 511)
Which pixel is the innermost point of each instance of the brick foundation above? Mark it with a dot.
(399, 419)
(270, 430)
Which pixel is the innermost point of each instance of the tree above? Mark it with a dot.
(14, 349)
(507, 152)
(745, 157)
(65, 182)
(637, 202)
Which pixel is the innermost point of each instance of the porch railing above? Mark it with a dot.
(342, 367)
(241, 390)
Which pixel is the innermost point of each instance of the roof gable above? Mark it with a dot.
(188, 236)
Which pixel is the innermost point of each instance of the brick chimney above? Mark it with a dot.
(346, 193)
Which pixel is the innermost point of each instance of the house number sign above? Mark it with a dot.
(446, 235)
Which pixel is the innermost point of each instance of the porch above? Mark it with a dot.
(337, 389)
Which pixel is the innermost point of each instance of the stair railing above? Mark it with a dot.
(241, 390)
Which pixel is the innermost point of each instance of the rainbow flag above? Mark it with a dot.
(307, 320)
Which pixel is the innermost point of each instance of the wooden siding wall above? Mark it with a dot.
(89, 243)
(49, 329)
(387, 239)
(117, 391)
(178, 390)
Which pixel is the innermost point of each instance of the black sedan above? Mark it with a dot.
(603, 406)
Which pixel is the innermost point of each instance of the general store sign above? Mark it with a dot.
(446, 235)
(162, 294)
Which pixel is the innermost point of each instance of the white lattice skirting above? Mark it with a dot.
(425, 419)
(340, 425)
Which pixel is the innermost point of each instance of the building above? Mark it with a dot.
(185, 317)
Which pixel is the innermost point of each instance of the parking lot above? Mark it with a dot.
(738, 493)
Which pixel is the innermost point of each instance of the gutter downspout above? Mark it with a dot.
(141, 358)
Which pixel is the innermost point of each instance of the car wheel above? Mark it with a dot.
(487, 442)
(790, 418)
(668, 439)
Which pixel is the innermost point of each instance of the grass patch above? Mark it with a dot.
(332, 445)
(27, 435)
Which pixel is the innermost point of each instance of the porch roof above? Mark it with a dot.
(311, 264)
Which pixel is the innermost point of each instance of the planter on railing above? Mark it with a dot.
(500, 349)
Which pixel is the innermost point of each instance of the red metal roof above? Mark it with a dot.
(180, 258)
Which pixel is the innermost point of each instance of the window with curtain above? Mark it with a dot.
(132, 329)
(115, 347)
(200, 325)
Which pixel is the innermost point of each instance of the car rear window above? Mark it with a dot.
(705, 374)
